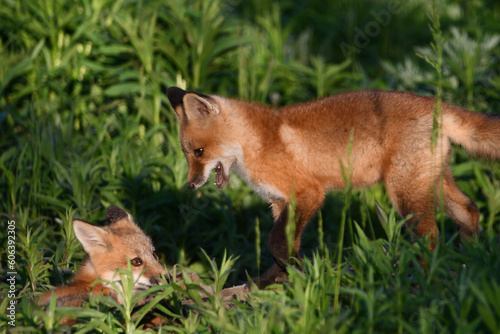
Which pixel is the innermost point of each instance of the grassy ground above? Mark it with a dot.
(84, 124)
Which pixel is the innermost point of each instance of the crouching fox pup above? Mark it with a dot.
(108, 249)
(303, 149)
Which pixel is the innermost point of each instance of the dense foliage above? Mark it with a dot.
(85, 124)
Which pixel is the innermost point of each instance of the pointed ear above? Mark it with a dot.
(198, 106)
(175, 96)
(114, 214)
(93, 238)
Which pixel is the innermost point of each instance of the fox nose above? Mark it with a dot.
(195, 181)
(154, 281)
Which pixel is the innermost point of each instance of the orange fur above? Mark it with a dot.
(304, 147)
(109, 248)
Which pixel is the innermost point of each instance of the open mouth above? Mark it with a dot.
(221, 179)
(142, 286)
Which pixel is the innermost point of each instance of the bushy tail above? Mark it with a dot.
(478, 133)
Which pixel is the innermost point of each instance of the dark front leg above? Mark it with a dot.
(277, 244)
(307, 204)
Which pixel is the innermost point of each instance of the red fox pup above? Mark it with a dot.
(303, 148)
(108, 249)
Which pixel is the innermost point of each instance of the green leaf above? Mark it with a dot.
(123, 89)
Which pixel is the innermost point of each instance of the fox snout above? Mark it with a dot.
(195, 182)
(156, 273)
(155, 280)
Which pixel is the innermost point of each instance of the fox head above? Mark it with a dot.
(110, 247)
(205, 141)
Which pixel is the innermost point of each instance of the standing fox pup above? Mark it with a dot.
(109, 248)
(303, 148)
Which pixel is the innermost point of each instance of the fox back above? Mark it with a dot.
(110, 248)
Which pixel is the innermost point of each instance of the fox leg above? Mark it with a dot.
(307, 204)
(416, 196)
(278, 248)
(460, 208)
(411, 197)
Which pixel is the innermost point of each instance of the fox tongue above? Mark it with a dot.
(219, 176)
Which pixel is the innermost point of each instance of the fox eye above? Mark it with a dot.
(136, 262)
(198, 152)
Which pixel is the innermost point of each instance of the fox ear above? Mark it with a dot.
(114, 214)
(190, 105)
(175, 96)
(197, 106)
(93, 238)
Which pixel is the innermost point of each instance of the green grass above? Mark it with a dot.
(85, 124)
